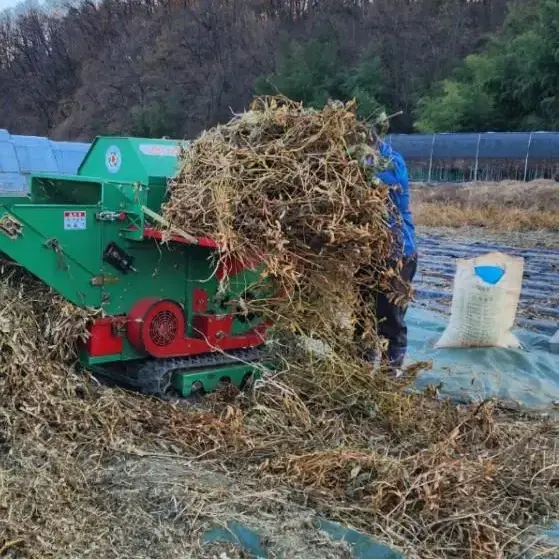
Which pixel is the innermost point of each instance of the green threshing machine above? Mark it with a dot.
(93, 238)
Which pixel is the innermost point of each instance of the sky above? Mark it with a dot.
(8, 3)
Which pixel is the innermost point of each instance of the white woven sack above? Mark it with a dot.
(482, 314)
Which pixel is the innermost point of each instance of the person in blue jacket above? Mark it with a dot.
(390, 316)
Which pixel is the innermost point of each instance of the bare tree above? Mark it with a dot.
(177, 66)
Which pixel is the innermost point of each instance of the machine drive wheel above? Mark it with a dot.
(197, 390)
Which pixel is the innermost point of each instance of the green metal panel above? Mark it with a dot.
(210, 378)
(9, 200)
(124, 167)
(147, 161)
(69, 259)
(159, 158)
(131, 159)
(160, 272)
(73, 190)
(65, 260)
(67, 252)
(157, 192)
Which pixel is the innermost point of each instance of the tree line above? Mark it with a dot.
(174, 67)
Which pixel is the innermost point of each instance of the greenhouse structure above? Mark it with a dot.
(431, 158)
(21, 156)
(488, 156)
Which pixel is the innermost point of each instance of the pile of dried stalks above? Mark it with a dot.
(60, 431)
(285, 186)
(435, 480)
(91, 471)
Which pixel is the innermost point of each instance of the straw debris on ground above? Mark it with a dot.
(500, 206)
(92, 471)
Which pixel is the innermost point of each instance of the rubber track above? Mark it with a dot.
(150, 375)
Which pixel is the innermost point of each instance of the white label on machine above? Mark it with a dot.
(75, 221)
(160, 150)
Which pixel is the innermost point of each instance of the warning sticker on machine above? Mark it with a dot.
(74, 220)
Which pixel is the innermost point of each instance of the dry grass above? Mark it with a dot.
(506, 206)
(89, 471)
(436, 480)
(60, 431)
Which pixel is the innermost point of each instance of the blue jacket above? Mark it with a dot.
(397, 176)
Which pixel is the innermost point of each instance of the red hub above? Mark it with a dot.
(155, 326)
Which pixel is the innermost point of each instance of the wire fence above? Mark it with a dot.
(488, 156)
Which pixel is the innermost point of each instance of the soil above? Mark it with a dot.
(513, 239)
(439, 247)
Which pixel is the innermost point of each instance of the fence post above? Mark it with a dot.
(431, 159)
(527, 155)
(477, 157)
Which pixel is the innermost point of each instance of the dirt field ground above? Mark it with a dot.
(439, 248)
(513, 239)
(506, 206)
(466, 220)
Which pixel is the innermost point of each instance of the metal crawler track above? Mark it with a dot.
(154, 377)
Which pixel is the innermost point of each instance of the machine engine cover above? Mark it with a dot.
(155, 325)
